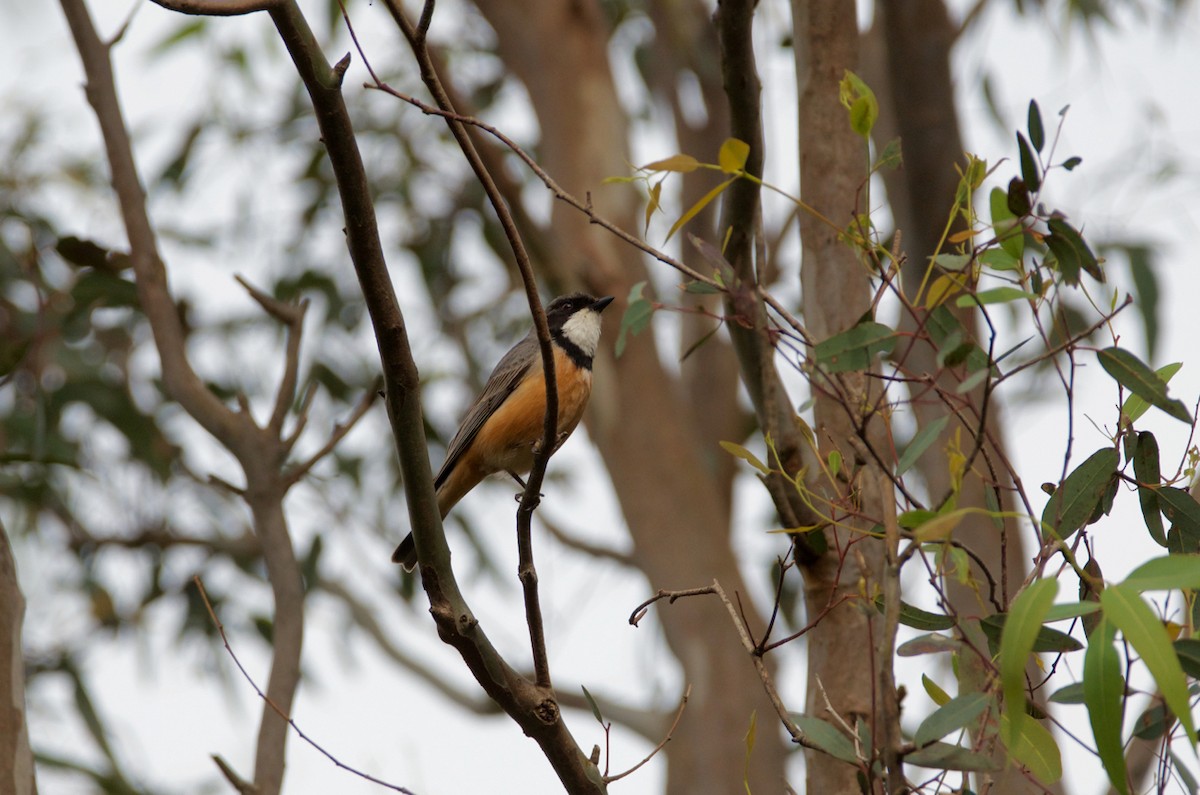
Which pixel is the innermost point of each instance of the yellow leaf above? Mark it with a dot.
(698, 206)
(652, 205)
(959, 237)
(733, 154)
(942, 288)
(678, 163)
(939, 528)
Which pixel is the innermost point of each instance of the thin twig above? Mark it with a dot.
(339, 432)
(671, 731)
(212, 615)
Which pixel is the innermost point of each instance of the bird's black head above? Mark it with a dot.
(574, 322)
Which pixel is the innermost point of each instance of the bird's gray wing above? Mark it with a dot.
(508, 373)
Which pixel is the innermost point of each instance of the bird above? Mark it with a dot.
(504, 425)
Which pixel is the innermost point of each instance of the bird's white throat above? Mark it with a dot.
(583, 329)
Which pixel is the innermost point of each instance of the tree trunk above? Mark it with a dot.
(836, 293)
(16, 757)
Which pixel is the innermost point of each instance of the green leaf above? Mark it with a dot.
(1006, 224)
(733, 155)
(854, 348)
(1032, 745)
(751, 733)
(745, 455)
(1047, 640)
(1130, 372)
(860, 100)
(958, 713)
(1021, 628)
(1166, 573)
(920, 443)
(700, 288)
(1071, 163)
(943, 756)
(890, 157)
(1188, 652)
(1037, 135)
(1072, 252)
(638, 312)
(595, 707)
(682, 164)
(996, 295)
(1070, 610)
(928, 644)
(1181, 510)
(939, 696)
(1146, 470)
(1074, 502)
(1145, 632)
(1018, 198)
(1104, 694)
(952, 262)
(1070, 694)
(1134, 407)
(1029, 167)
(826, 737)
(917, 618)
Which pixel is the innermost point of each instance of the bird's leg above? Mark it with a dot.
(521, 482)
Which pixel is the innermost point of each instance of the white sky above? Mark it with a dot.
(1135, 110)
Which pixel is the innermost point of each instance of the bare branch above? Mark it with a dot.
(218, 8)
(339, 432)
(671, 731)
(281, 713)
(291, 315)
(579, 545)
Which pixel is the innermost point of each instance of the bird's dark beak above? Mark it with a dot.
(598, 307)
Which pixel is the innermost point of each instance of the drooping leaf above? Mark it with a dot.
(1104, 695)
(958, 713)
(1183, 512)
(1130, 372)
(1021, 628)
(695, 209)
(1032, 745)
(745, 455)
(1146, 470)
(1188, 651)
(1145, 632)
(1074, 502)
(1072, 252)
(595, 707)
(920, 443)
